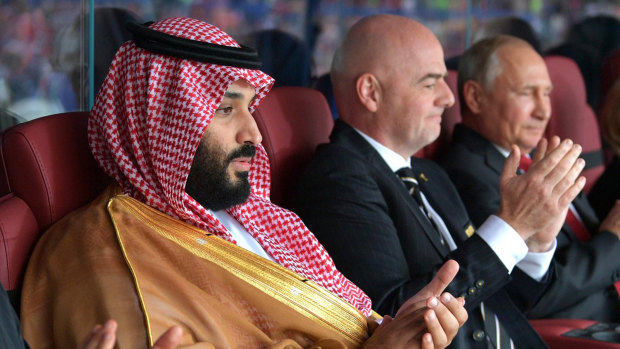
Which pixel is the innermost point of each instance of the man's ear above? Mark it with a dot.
(473, 93)
(368, 91)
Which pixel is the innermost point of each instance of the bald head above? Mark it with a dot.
(388, 81)
(375, 39)
(379, 45)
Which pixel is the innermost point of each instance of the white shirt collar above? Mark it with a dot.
(501, 150)
(505, 152)
(393, 159)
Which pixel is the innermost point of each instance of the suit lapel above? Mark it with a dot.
(494, 159)
(442, 201)
(586, 213)
(432, 193)
(430, 231)
(345, 135)
(479, 145)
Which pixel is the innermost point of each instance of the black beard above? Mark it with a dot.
(208, 181)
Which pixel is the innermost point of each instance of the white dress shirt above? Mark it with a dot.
(243, 238)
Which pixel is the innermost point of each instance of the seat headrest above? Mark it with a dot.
(292, 121)
(571, 115)
(49, 165)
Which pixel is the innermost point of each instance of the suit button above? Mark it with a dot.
(464, 295)
(480, 283)
(471, 291)
(478, 335)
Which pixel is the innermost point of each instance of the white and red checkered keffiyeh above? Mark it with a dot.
(145, 127)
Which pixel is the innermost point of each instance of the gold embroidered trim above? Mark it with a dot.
(133, 274)
(282, 284)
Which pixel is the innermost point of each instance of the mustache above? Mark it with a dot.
(245, 150)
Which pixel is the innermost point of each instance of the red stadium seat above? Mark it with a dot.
(4, 182)
(557, 334)
(572, 117)
(50, 172)
(292, 121)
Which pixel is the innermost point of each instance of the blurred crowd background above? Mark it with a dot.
(54, 54)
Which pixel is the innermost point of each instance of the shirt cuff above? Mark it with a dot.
(536, 264)
(503, 240)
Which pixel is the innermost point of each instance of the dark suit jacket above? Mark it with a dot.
(606, 190)
(363, 215)
(584, 272)
(10, 329)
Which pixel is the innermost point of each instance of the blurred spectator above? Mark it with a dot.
(69, 56)
(588, 43)
(607, 188)
(27, 80)
(610, 73)
(508, 25)
(600, 32)
(589, 62)
(286, 58)
(323, 84)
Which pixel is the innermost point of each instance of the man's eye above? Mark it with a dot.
(224, 110)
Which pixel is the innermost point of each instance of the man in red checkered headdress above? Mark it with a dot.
(187, 235)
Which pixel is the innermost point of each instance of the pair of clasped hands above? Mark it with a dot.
(534, 204)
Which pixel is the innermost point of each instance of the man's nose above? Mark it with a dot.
(248, 130)
(446, 97)
(542, 107)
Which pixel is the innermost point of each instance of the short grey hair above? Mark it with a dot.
(480, 62)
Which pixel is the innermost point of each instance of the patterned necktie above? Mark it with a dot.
(524, 163)
(407, 175)
(496, 333)
(573, 222)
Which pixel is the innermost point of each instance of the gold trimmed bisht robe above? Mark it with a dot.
(119, 258)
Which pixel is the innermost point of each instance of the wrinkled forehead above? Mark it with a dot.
(520, 64)
(423, 54)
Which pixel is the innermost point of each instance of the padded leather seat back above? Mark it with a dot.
(18, 233)
(572, 117)
(50, 167)
(50, 172)
(292, 121)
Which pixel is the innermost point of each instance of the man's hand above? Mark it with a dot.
(534, 200)
(427, 320)
(542, 241)
(612, 221)
(104, 337)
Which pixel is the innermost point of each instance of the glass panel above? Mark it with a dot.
(39, 54)
(44, 44)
